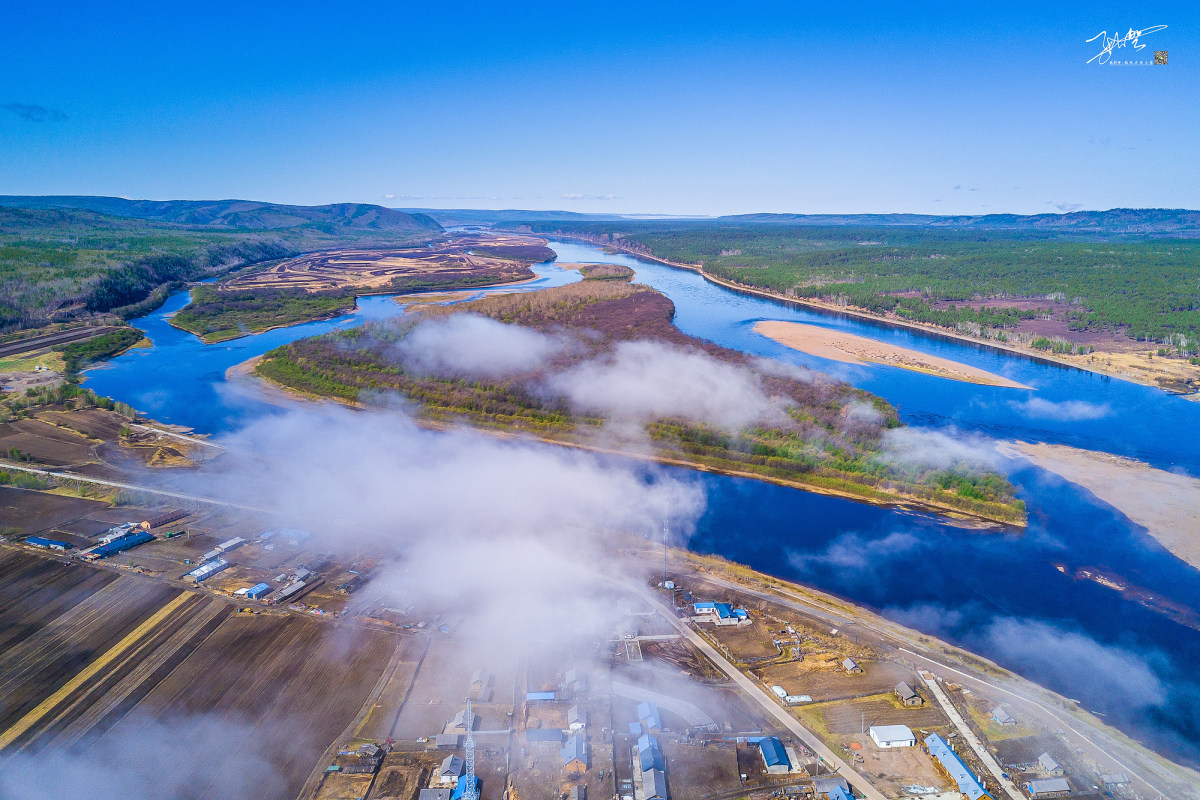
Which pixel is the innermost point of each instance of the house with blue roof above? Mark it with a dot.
(649, 753)
(720, 613)
(575, 754)
(648, 715)
(775, 758)
(953, 766)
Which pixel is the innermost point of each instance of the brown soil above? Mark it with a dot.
(445, 263)
(31, 512)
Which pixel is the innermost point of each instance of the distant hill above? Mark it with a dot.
(1146, 221)
(480, 216)
(239, 214)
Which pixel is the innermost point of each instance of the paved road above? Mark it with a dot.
(837, 618)
(965, 731)
(769, 704)
(132, 487)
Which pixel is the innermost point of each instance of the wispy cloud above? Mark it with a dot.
(1065, 411)
(1064, 206)
(582, 196)
(34, 113)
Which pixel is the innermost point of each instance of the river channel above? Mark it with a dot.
(1004, 594)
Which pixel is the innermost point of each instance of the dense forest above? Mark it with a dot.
(1148, 289)
(58, 265)
(821, 443)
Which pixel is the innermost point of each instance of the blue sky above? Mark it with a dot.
(616, 107)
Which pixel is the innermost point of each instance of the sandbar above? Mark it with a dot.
(1165, 504)
(850, 348)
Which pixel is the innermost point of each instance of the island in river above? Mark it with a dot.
(326, 284)
(793, 426)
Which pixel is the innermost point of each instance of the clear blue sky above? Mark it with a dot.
(639, 107)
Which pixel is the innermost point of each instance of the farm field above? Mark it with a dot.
(87, 653)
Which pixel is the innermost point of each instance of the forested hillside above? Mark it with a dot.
(1146, 289)
(64, 264)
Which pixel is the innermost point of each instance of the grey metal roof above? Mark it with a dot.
(1047, 762)
(654, 784)
(574, 750)
(452, 766)
(1047, 786)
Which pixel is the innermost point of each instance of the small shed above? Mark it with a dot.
(577, 718)
(851, 666)
(907, 695)
(447, 741)
(1048, 787)
(440, 793)
(540, 697)
(888, 736)
(578, 792)
(1048, 765)
(554, 735)
(1115, 779)
(1002, 717)
(829, 786)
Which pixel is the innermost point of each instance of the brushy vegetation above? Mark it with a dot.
(1148, 289)
(823, 444)
(58, 265)
(69, 394)
(79, 354)
(217, 314)
(605, 272)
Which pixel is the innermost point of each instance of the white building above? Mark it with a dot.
(892, 736)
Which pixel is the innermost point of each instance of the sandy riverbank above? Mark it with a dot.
(1161, 374)
(849, 348)
(1165, 504)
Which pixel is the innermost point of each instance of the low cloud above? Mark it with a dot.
(1064, 206)
(1074, 661)
(582, 196)
(511, 541)
(34, 113)
(470, 345)
(648, 380)
(196, 756)
(1064, 411)
(939, 449)
(857, 554)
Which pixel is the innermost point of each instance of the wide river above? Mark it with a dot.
(997, 593)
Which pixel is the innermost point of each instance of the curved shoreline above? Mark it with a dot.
(945, 513)
(809, 304)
